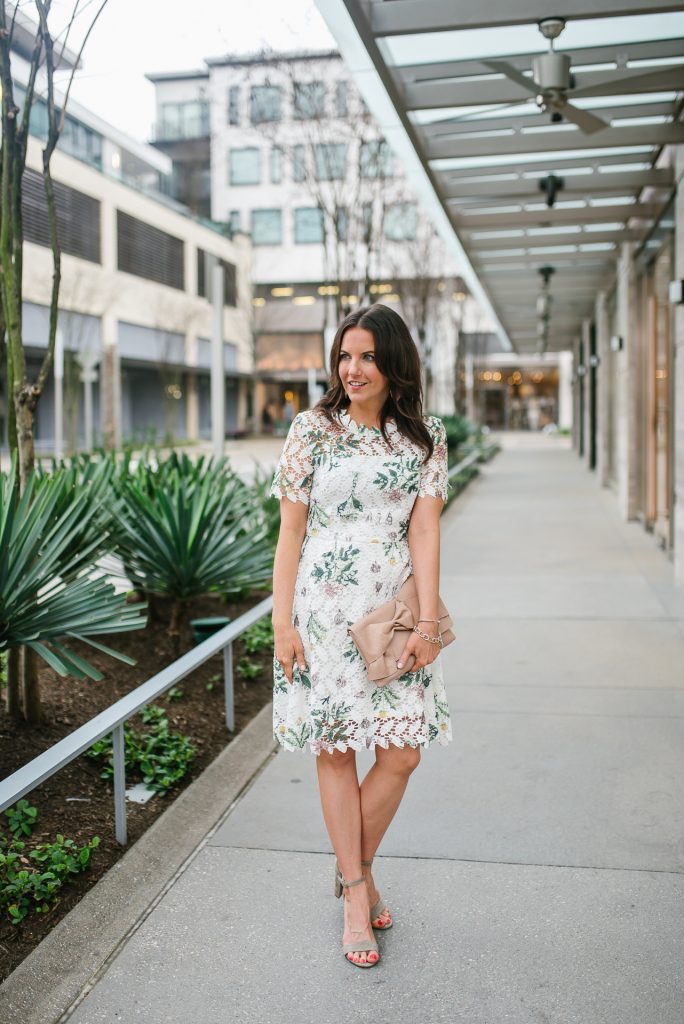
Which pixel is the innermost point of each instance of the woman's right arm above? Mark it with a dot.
(287, 641)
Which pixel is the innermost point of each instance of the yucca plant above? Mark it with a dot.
(189, 528)
(49, 591)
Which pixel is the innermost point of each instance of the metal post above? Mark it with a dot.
(119, 784)
(228, 686)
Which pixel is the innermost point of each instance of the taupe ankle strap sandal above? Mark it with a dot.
(379, 908)
(363, 945)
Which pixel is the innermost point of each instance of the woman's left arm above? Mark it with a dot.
(423, 541)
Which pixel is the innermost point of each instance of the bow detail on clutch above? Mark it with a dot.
(379, 636)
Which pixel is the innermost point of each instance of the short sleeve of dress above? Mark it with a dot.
(294, 473)
(434, 474)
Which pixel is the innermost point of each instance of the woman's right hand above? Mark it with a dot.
(288, 649)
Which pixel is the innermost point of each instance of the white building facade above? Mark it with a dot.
(135, 319)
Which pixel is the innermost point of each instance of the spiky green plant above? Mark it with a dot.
(188, 528)
(49, 591)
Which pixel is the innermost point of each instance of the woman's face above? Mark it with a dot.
(360, 376)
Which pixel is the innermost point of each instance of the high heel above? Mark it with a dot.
(361, 945)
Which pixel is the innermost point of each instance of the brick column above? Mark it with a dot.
(678, 383)
(627, 364)
(605, 384)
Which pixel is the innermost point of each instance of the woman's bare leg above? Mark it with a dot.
(381, 793)
(341, 803)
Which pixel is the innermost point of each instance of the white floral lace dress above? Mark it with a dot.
(355, 556)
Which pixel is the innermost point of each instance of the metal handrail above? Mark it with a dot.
(112, 719)
(464, 463)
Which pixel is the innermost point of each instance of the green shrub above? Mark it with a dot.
(161, 757)
(32, 878)
(259, 636)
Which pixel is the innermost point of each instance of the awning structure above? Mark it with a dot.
(533, 133)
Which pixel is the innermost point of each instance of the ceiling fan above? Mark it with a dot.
(551, 81)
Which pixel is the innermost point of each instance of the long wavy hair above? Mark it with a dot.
(396, 357)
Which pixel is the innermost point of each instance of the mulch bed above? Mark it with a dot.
(77, 802)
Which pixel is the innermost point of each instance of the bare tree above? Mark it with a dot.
(23, 393)
(344, 166)
(47, 55)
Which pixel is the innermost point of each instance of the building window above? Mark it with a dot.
(184, 120)
(331, 161)
(401, 221)
(309, 100)
(244, 166)
(229, 279)
(308, 224)
(235, 221)
(376, 160)
(267, 227)
(78, 217)
(234, 104)
(341, 99)
(298, 163)
(147, 252)
(264, 103)
(276, 166)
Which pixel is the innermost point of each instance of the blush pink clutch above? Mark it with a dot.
(382, 634)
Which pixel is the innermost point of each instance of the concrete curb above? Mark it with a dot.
(67, 962)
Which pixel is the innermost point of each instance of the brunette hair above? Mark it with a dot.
(396, 357)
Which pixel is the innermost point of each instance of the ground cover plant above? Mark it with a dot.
(32, 875)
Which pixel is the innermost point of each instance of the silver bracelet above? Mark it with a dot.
(430, 639)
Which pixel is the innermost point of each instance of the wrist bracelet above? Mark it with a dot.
(428, 620)
(430, 639)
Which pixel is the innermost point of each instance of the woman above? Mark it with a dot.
(362, 480)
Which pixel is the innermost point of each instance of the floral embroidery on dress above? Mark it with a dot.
(360, 490)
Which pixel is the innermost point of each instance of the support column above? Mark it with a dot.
(576, 395)
(110, 376)
(586, 384)
(627, 382)
(565, 395)
(678, 383)
(110, 383)
(604, 385)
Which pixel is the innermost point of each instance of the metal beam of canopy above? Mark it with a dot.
(660, 49)
(535, 164)
(548, 218)
(401, 17)
(568, 139)
(619, 182)
(542, 244)
(494, 90)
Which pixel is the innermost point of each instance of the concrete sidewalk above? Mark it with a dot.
(535, 869)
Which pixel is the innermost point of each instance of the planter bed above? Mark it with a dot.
(76, 802)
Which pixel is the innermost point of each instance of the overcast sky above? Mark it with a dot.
(132, 37)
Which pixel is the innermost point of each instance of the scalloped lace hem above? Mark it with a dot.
(276, 492)
(316, 747)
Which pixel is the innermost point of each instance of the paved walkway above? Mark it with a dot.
(536, 867)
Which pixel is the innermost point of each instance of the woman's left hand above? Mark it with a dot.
(424, 652)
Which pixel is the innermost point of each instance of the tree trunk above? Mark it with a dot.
(24, 407)
(32, 706)
(13, 697)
